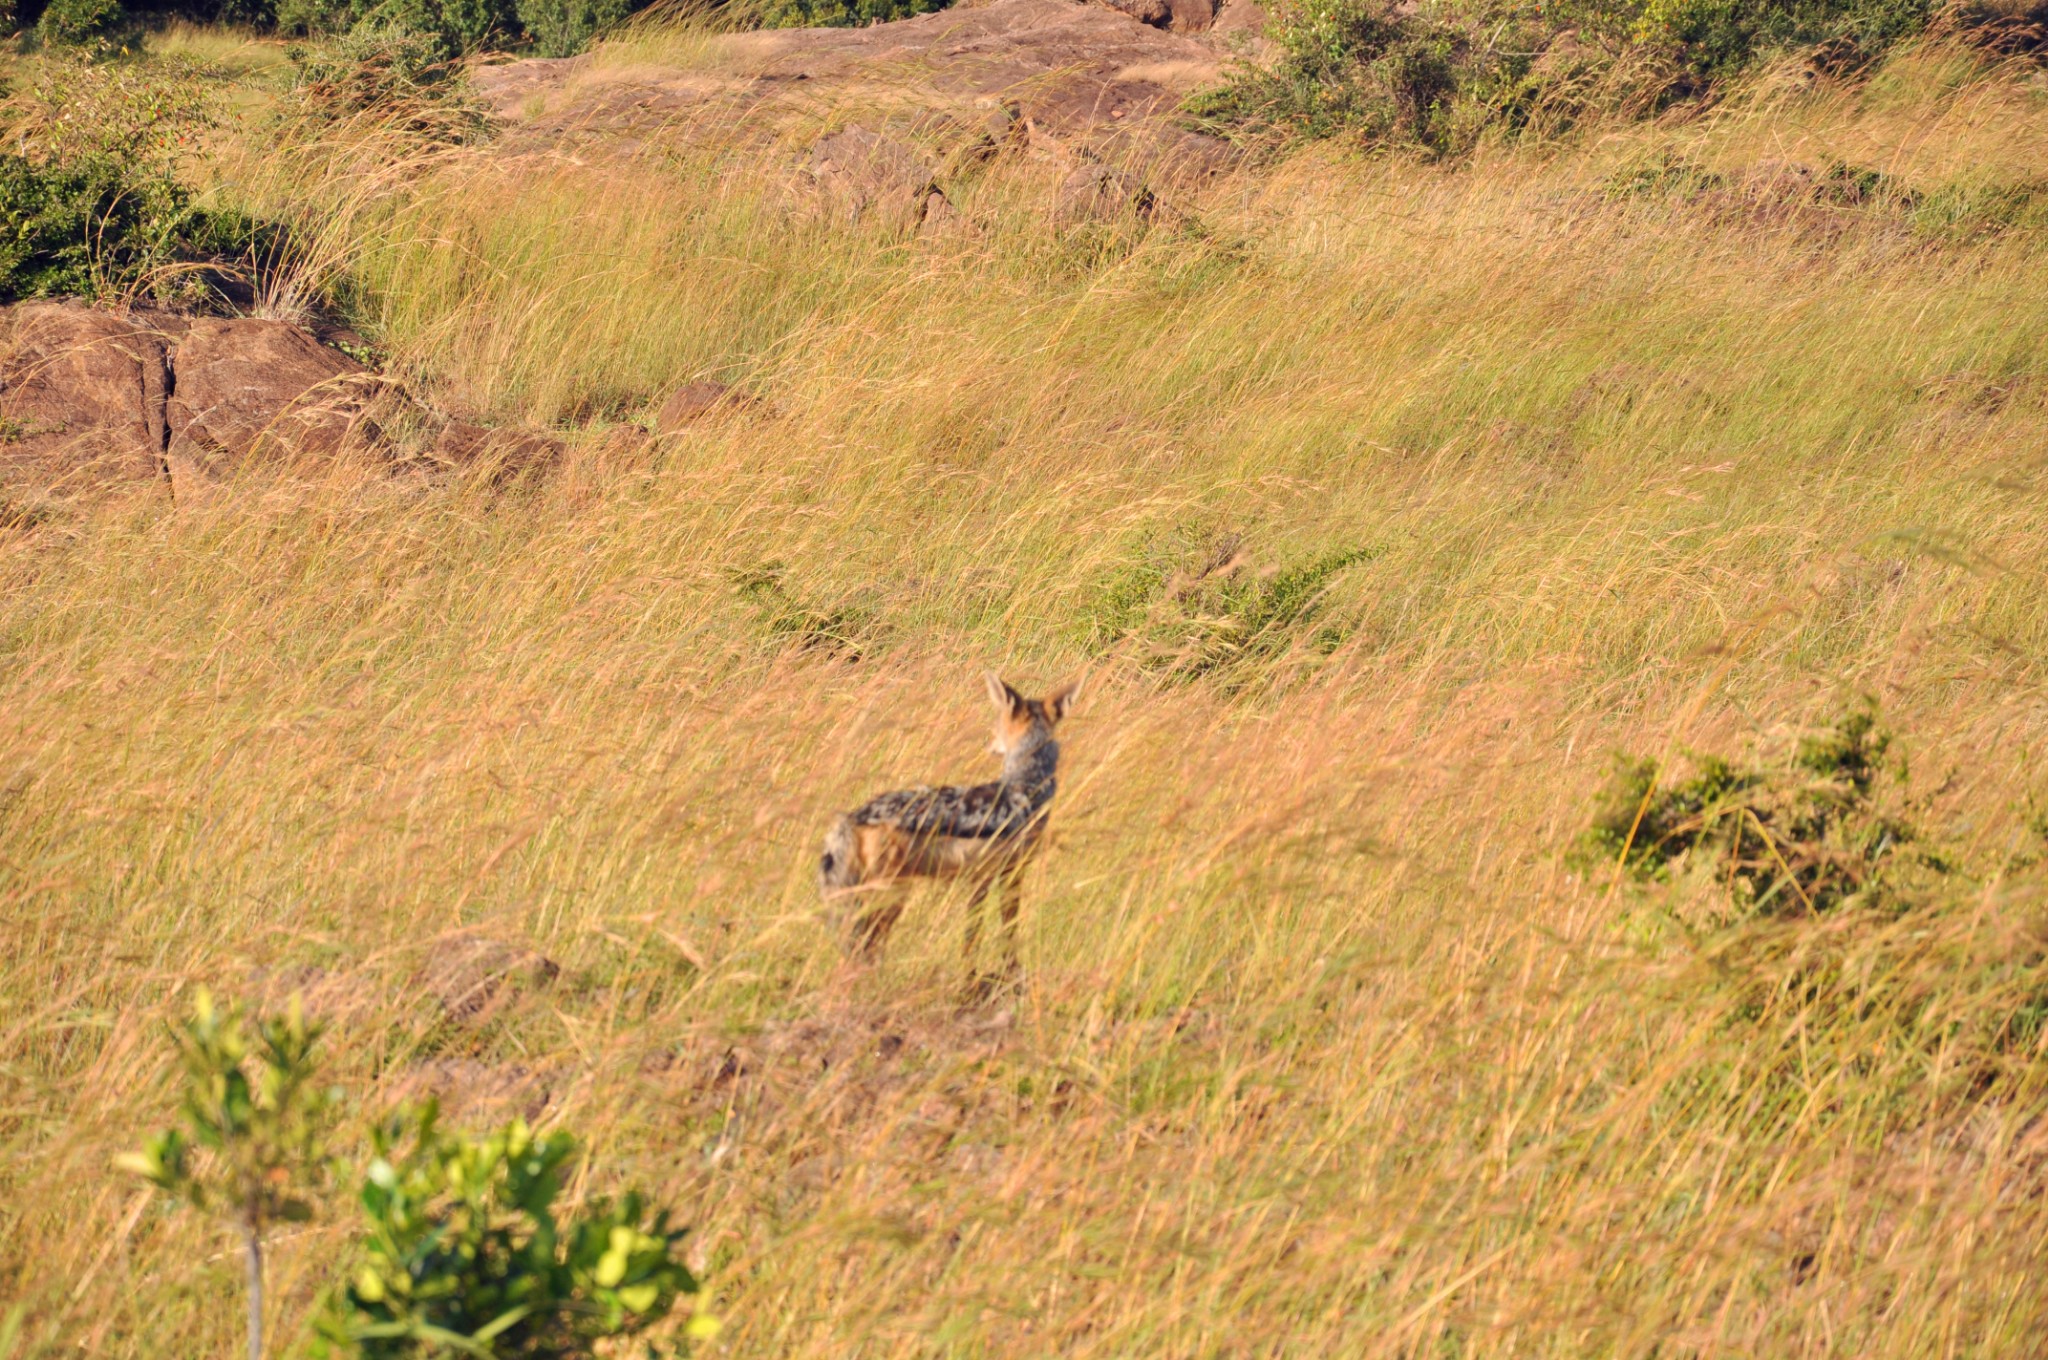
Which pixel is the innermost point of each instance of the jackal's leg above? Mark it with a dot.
(970, 938)
(1010, 899)
(869, 929)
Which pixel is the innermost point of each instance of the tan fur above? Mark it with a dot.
(873, 864)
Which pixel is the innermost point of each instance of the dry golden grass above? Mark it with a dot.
(1323, 1049)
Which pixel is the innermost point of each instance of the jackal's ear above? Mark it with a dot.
(1060, 702)
(1001, 695)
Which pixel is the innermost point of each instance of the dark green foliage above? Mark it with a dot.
(1364, 69)
(459, 25)
(95, 227)
(1268, 614)
(842, 13)
(1832, 921)
(1810, 836)
(562, 28)
(80, 228)
(453, 27)
(409, 78)
(465, 1252)
(1719, 37)
(1439, 76)
(552, 28)
(303, 17)
(82, 23)
(89, 203)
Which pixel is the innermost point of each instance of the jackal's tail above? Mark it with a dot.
(836, 868)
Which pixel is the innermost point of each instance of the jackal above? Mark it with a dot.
(985, 834)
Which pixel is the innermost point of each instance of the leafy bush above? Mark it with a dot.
(562, 28)
(1440, 76)
(89, 204)
(81, 228)
(464, 1251)
(81, 23)
(1362, 68)
(1825, 830)
(453, 27)
(252, 1107)
(1720, 37)
(408, 78)
(1839, 934)
(842, 13)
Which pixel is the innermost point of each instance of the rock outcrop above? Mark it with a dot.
(245, 388)
(1089, 81)
(92, 399)
(861, 173)
(82, 397)
(1175, 16)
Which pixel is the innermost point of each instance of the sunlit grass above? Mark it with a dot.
(226, 52)
(1324, 1048)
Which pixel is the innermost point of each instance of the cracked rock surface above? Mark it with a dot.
(92, 400)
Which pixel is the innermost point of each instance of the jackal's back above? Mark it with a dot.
(977, 812)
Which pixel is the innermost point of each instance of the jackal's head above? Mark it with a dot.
(1024, 725)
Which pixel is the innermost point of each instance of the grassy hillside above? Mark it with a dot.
(1328, 1045)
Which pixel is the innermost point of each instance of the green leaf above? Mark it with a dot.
(369, 1285)
(497, 1325)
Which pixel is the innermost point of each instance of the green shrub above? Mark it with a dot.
(1829, 928)
(81, 23)
(1720, 37)
(464, 1252)
(1824, 830)
(89, 203)
(1439, 76)
(554, 28)
(562, 28)
(314, 17)
(251, 1109)
(842, 13)
(409, 78)
(95, 227)
(451, 27)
